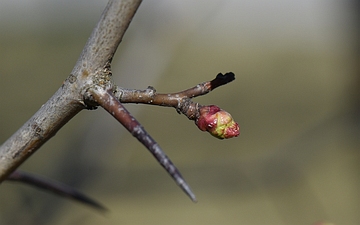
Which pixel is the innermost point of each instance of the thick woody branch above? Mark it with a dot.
(110, 103)
(106, 36)
(91, 69)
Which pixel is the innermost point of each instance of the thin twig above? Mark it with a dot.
(181, 101)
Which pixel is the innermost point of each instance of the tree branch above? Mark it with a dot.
(91, 69)
(89, 85)
(181, 101)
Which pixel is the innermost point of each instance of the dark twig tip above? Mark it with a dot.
(222, 79)
(226, 78)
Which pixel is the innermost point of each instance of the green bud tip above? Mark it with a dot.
(217, 122)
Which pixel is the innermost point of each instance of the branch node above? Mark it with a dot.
(151, 91)
(189, 108)
(89, 101)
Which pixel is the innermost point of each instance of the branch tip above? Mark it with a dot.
(230, 76)
(221, 79)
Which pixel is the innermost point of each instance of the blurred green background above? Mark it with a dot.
(296, 98)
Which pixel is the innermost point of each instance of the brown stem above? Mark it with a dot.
(110, 103)
(55, 187)
(181, 101)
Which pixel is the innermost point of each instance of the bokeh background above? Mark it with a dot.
(296, 98)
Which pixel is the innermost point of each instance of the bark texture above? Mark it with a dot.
(91, 71)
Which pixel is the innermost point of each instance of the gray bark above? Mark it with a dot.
(91, 71)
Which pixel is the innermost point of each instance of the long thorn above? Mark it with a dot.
(110, 103)
(55, 187)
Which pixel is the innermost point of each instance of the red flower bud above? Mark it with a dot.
(217, 122)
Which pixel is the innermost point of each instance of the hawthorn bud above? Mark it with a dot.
(217, 122)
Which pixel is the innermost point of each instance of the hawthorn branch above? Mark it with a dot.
(91, 69)
(111, 101)
(89, 85)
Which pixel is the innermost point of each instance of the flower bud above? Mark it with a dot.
(217, 122)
